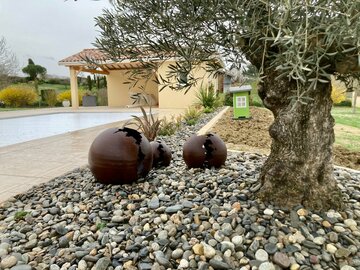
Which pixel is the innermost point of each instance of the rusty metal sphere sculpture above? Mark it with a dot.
(120, 156)
(161, 154)
(204, 151)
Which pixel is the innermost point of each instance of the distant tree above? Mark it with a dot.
(89, 82)
(8, 64)
(34, 71)
(296, 45)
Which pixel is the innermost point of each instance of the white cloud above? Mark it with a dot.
(49, 30)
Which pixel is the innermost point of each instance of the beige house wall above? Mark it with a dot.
(119, 91)
(169, 98)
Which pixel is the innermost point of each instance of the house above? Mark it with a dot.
(117, 74)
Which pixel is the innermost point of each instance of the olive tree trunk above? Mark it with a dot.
(299, 169)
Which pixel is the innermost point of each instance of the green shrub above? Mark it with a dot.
(207, 97)
(344, 103)
(168, 128)
(228, 99)
(49, 96)
(18, 96)
(191, 122)
(208, 110)
(192, 115)
(102, 97)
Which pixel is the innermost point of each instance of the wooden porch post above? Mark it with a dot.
(74, 88)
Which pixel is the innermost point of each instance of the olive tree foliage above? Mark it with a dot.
(8, 63)
(303, 40)
(296, 45)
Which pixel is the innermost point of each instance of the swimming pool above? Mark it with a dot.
(23, 129)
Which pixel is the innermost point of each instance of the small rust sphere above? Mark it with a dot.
(120, 156)
(161, 154)
(204, 151)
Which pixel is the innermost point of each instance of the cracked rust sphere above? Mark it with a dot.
(120, 156)
(204, 151)
(161, 154)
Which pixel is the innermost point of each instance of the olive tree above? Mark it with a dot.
(296, 45)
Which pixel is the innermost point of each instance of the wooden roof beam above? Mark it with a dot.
(105, 72)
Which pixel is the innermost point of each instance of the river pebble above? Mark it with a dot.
(177, 218)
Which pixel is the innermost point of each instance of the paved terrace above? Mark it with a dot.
(24, 165)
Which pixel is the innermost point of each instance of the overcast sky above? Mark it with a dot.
(49, 30)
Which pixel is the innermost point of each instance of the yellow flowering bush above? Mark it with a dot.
(338, 91)
(18, 96)
(66, 95)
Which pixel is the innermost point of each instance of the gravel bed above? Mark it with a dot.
(176, 218)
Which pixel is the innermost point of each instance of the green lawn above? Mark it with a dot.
(57, 87)
(344, 116)
(348, 140)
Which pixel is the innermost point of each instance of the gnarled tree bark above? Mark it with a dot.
(299, 169)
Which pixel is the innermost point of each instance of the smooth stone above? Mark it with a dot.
(270, 248)
(350, 222)
(21, 267)
(183, 263)
(339, 229)
(266, 266)
(177, 253)
(54, 267)
(216, 264)
(209, 251)
(82, 265)
(310, 244)
(154, 203)
(227, 245)
(3, 252)
(319, 240)
(31, 244)
(342, 253)
(331, 248)
(63, 242)
(160, 257)
(61, 230)
(8, 262)
(237, 240)
(198, 249)
(102, 263)
(173, 209)
(261, 255)
(281, 259)
(347, 267)
(144, 266)
(268, 212)
(295, 266)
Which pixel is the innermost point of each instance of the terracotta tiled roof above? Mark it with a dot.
(92, 54)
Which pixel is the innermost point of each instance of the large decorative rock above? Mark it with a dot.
(120, 156)
(161, 154)
(204, 151)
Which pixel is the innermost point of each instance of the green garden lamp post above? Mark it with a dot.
(241, 96)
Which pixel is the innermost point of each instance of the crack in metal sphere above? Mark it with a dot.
(204, 151)
(120, 156)
(161, 154)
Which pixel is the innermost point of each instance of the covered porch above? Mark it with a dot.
(120, 92)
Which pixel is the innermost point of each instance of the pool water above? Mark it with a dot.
(23, 129)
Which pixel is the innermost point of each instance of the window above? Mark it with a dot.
(241, 102)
